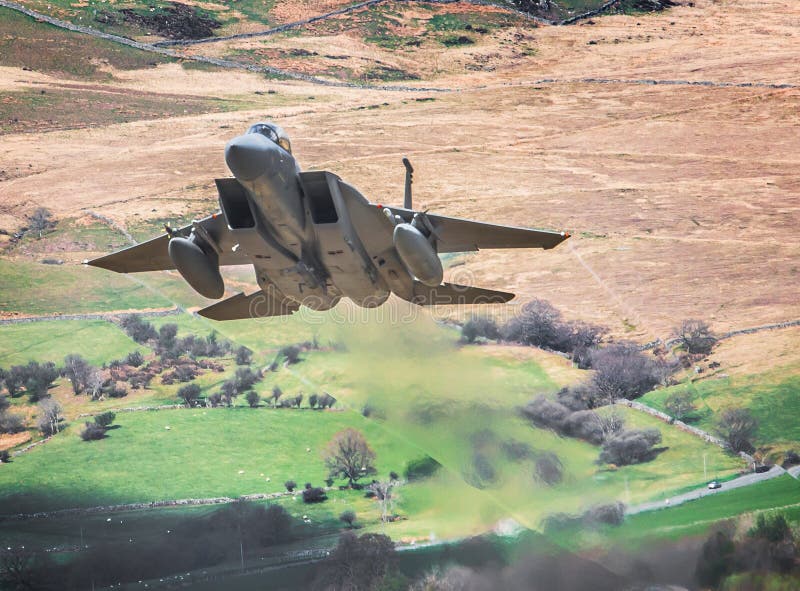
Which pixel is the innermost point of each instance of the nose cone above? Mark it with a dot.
(249, 156)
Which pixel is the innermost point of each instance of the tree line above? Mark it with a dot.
(620, 371)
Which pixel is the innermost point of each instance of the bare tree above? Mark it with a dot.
(348, 455)
(737, 427)
(276, 394)
(94, 384)
(40, 220)
(50, 417)
(384, 492)
(695, 336)
(77, 370)
(611, 423)
(680, 404)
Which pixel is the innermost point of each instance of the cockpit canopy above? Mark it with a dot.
(274, 133)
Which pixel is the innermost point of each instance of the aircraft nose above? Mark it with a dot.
(249, 156)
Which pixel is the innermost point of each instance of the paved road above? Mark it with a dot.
(794, 472)
(746, 480)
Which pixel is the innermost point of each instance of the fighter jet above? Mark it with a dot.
(313, 239)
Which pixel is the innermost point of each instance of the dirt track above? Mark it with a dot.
(682, 198)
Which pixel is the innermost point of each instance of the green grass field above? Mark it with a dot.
(696, 516)
(200, 455)
(773, 398)
(98, 341)
(692, 518)
(454, 403)
(34, 288)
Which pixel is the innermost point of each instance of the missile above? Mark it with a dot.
(418, 255)
(199, 268)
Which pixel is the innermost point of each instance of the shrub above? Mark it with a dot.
(622, 371)
(244, 356)
(11, 423)
(630, 447)
(189, 394)
(610, 514)
(479, 327)
(348, 517)
(245, 378)
(215, 399)
(680, 404)
(365, 562)
(421, 468)
(134, 359)
(252, 398)
(586, 425)
(5, 458)
(548, 469)
(581, 397)
(394, 475)
(537, 324)
(167, 335)
(290, 485)
(115, 390)
(92, 431)
(791, 458)
(314, 495)
(326, 400)
(105, 419)
(516, 450)
(138, 329)
(716, 559)
(546, 413)
(312, 400)
(291, 353)
(737, 427)
(481, 473)
(773, 528)
(38, 378)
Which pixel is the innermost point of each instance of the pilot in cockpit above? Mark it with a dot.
(274, 133)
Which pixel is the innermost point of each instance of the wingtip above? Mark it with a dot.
(101, 263)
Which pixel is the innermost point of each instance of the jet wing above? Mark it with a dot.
(255, 305)
(152, 255)
(457, 235)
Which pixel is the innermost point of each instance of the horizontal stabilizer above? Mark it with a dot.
(450, 294)
(255, 305)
